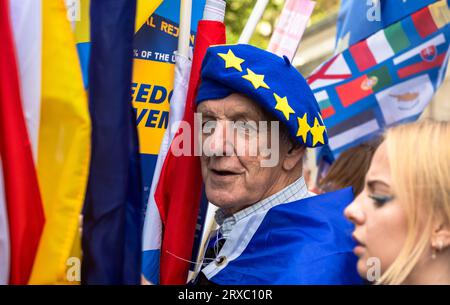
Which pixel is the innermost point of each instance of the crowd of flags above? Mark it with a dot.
(388, 77)
(71, 172)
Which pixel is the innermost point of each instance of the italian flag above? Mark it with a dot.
(379, 47)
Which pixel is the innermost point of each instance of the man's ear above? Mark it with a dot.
(294, 156)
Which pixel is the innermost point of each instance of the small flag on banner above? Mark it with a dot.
(353, 129)
(431, 19)
(380, 47)
(326, 108)
(334, 71)
(364, 86)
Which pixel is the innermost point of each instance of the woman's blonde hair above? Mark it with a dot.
(419, 156)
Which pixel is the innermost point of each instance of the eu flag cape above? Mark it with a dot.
(305, 242)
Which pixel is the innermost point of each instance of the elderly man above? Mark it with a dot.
(272, 230)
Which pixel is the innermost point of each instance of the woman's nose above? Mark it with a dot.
(354, 212)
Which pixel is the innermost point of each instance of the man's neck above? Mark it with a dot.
(282, 183)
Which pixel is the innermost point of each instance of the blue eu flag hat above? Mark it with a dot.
(269, 80)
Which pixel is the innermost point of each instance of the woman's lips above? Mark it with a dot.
(360, 247)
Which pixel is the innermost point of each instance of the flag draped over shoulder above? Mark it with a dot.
(304, 242)
(178, 192)
(113, 208)
(64, 146)
(23, 201)
(383, 80)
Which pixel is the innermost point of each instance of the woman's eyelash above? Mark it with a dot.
(381, 200)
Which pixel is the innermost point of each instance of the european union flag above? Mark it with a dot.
(365, 13)
(113, 208)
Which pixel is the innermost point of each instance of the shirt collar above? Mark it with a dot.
(293, 192)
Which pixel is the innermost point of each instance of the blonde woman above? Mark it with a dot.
(402, 217)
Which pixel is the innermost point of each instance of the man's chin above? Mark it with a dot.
(223, 200)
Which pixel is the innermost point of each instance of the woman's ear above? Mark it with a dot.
(294, 156)
(440, 239)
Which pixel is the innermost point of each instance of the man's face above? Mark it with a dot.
(235, 179)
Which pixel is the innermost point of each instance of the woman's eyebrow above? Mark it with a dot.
(373, 183)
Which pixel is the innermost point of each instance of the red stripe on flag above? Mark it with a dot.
(424, 22)
(25, 211)
(178, 193)
(353, 91)
(323, 73)
(327, 112)
(421, 66)
(362, 56)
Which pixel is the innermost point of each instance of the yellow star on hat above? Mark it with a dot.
(303, 127)
(231, 60)
(257, 80)
(317, 132)
(283, 106)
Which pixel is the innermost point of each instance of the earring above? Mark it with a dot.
(440, 245)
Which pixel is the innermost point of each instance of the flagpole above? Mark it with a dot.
(253, 20)
(185, 27)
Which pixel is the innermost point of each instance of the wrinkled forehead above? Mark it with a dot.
(233, 107)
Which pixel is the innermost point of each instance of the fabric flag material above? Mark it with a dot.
(154, 47)
(380, 47)
(4, 234)
(359, 19)
(286, 237)
(405, 99)
(144, 8)
(26, 17)
(152, 225)
(112, 222)
(65, 132)
(353, 129)
(153, 148)
(24, 207)
(429, 20)
(364, 86)
(326, 108)
(178, 192)
(334, 71)
(393, 75)
(290, 27)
